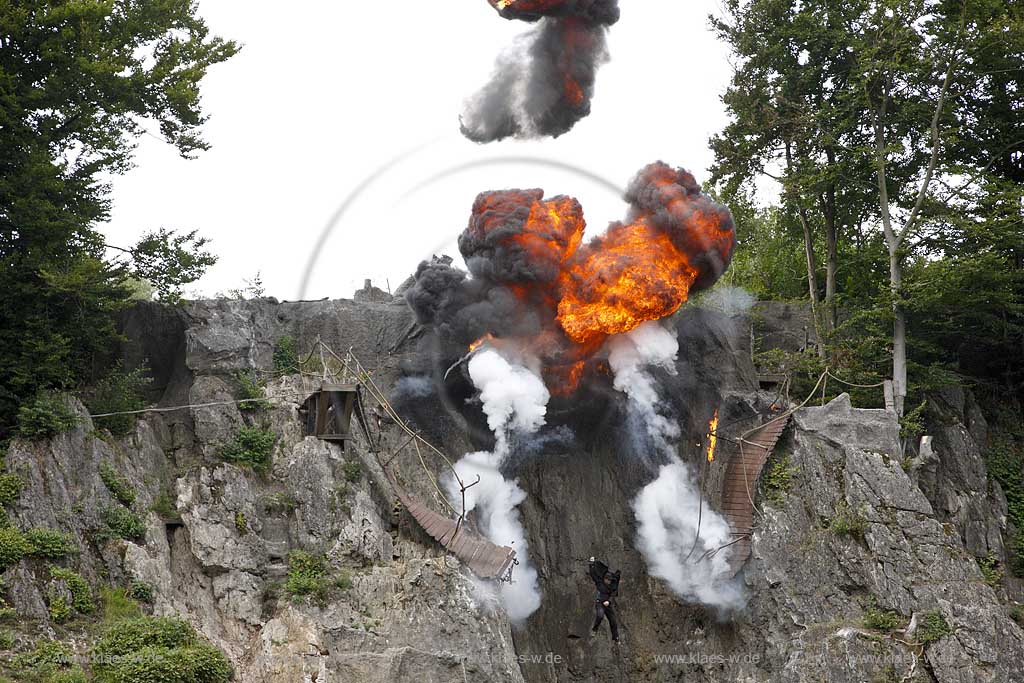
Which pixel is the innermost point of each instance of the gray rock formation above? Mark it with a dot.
(405, 611)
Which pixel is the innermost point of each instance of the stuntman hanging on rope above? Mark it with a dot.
(607, 584)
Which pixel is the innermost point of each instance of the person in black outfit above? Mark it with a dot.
(607, 584)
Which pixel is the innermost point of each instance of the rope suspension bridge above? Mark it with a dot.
(343, 386)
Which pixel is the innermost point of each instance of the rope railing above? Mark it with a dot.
(742, 439)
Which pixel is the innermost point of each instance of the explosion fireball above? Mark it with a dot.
(535, 284)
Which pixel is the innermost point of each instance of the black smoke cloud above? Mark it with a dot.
(543, 84)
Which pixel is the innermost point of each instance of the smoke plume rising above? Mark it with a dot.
(515, 402)
(668, 509)
(630, 354)
(543, 84)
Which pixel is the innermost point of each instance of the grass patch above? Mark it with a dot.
(117, 485)
(848, 522)
(43, 662)
(251, 447)
(281, 504)
(880, 619)
(118, 604)
(307, 574)
(141, 591)
(353, 471)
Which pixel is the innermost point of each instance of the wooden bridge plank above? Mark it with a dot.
(742, 474)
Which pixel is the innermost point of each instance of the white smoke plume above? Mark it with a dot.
(668, 509)
(630, 354)
(515, 401)
(727, 299)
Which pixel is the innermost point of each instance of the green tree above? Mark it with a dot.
(898, 123)
(791, 121)
(79, 82)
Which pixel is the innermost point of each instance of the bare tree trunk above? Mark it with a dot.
(899, 331)
(831, 260)
(812, 267)
(894, 240)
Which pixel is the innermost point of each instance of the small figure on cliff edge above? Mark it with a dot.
(607, 584)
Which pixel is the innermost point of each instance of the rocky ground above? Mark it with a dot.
(864, 564)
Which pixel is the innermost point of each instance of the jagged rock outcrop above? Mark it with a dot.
(907, 534)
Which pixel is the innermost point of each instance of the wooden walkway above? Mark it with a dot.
(740, 485)
(485, 559)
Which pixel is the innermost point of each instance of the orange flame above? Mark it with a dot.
(479, 342)
(712, 436)
(636, 271)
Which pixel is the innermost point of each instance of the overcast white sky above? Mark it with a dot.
(323, 94)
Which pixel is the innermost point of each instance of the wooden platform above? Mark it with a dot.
(740, 485)
(485, 559)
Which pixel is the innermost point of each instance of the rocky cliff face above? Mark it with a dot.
(863, 564)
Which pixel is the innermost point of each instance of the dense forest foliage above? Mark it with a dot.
(894, 131)
(79, 82)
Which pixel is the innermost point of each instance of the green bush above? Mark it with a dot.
(251, 392)
(241, 524)
(307, 574)
(13, 547)
(124, 523)
(117, 485)
(848, 522)
(157, 650)
(60, 610)
(81, 594)
(286, 356)
(352, 470)
(45, 416)
(281, 503)
(251, 447)
(10, 488)
(6, 640)
(199, 663)
(882, 619)
(1017, 614)
(164, 505)
(932, 627)
(50, 543)
(118, 392)
(777, 478)
(991, 570)
(72, 675)
(141, 591)
(45, 659)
